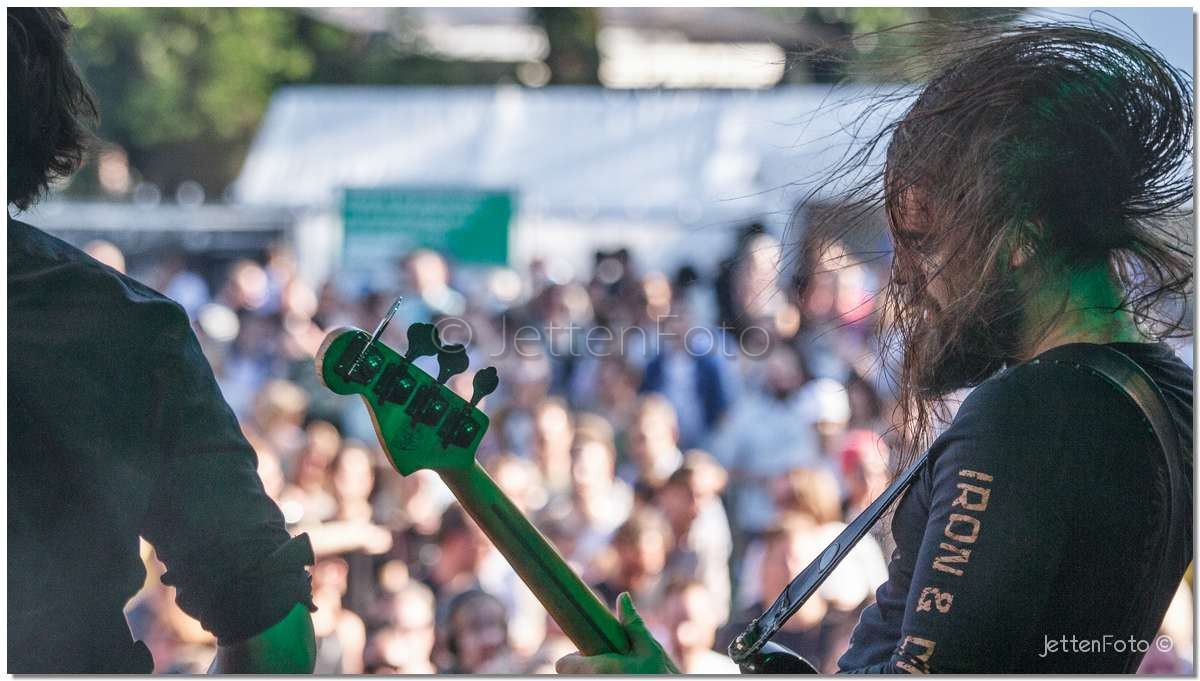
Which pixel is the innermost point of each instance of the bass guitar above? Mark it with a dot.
(423, 424)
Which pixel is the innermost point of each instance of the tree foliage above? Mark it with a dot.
(182, 89)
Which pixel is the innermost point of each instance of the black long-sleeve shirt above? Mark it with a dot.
(116, 429)
(1028, 544)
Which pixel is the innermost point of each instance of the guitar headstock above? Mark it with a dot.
(421, 422)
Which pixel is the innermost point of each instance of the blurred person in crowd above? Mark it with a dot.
(638, 560)
(426, 278)
(520, 480)
(302, 337)
(814, 630)
(404, 644)
(769, 431)
(350, 532)
(251, 362)
(867, 406)
(813, 493)
(616, 391)
(652, 443)
(700, 300)
(341, 634)
(106, 379)
(600, 501)
(699, 528)
(756, 289)
(863, 463)
(1019, 230)
(181, 283)
(362, 539)
(476, 637)
(246, 289)
(309, 477)
(278, 416)
(686, 370)
(553, 432)
(614, 290)
(462, 548)
(333, 310)
(691, 624)
(411, 507)
(830, 416)
(106, 253)
(729, 308)
(837, 306)
(280, 269)
(526, 385)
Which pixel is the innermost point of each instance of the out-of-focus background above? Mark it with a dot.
(633, 171)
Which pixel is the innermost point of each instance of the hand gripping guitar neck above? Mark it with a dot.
(421, 423)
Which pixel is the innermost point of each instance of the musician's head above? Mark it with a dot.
(1033, 156)
(1038, 152)
(50, 109)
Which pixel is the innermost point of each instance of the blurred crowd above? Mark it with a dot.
(694, 438)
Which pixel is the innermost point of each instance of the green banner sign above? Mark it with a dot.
(381, 224)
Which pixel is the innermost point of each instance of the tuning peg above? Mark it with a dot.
(423, 341)
(452, 359)
(483, 384)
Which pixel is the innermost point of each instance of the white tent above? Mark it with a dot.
(666, 171)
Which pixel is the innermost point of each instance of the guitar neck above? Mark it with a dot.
(576, 609)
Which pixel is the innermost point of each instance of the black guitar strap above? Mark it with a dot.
(1107, 362)
(1127, 375)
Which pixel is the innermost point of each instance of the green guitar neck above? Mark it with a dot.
(578, 611)
(422, 424)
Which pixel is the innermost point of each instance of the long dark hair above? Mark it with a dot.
(1067, 142)
(50, 109)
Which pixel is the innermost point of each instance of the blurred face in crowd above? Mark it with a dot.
(615, 383)
(642, 554)
(465, 549)
(519, 480)
(107, 253)
(593, 468)
(420, 499)
(427, 271)
(247, 287)
(864, 466)
(758, 274)
(329, 580)
(691, 619)
(479, 629)
(784, 375)
(787, 553)
(785, 557)
(354, 474)
(680, 504)
(408, 636)
(552, 435)
(809, 492)
(652, 432)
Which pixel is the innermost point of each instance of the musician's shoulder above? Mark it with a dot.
(1023, 414)
(48, 272)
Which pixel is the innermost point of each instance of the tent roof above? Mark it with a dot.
(569, 152)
